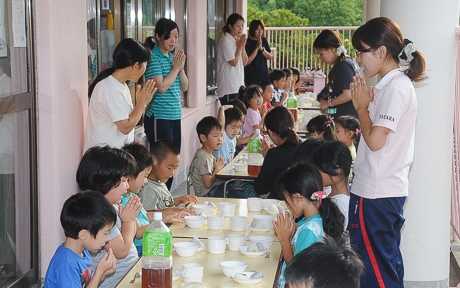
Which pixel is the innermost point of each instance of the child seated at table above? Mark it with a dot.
(311, 268)
(254, 119)
(144, 163)
(155, 194)
(205, 166)
(322, 127)
(241, 140)
(268, 93)
(106, 170)
(86, 219)
(278, 79)
(231, 118)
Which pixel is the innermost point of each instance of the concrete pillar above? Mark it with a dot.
(425, 237)
(371, 9)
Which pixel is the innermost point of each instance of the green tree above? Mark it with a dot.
(276, 18)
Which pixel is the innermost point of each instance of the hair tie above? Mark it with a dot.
(154, 40)
(406, 52)
(318, 196)
(357, 131)
(341, 50)
(328, 123)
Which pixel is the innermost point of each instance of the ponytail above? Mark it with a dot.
(416, 68)
(281, 122)
(333, 219)
(150, 42)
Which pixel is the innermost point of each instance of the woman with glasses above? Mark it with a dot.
(336, 99)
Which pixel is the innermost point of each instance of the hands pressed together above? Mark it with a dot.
(360, 94)
(284, 226)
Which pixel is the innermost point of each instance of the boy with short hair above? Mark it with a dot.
(232, 119)
(325, 264)
(86, 219)
(205, 166)
(278, 79)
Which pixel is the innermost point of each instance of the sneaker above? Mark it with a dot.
(319, 74)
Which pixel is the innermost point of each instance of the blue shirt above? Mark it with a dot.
(227, 149)
(167, 105)
(67, 269)
(141, 217)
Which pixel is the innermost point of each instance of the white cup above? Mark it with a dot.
(215, 221)
(238, 223)
(254, 204)
(216, 245)
(235, 241)
(227, 208)
(192, 272)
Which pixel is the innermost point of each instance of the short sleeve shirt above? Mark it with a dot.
(385, 172)
(252, 118)
(229, 78)
(257, 70)
(155, 195)
(202, 164)
(142, 217)
(167, 105)
(227, 149)
(341, 80)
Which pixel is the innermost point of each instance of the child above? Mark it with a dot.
(86, 219)
(312, 267)
(231, 118)
(106, 170)
(305, 150)
(322, 127)
(155, 195)
(288, 84)
(278, 79)
(302, 187)
(296, 83)
(334, 161)
(280, 128)
(254, 119)
(348, 130)
(267, 94)
(387, 114)
(204, 166)
(241, 139)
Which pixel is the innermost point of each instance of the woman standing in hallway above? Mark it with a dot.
(387, 113)
(231, 59)
(111, 116)
(163, 116)
(259, 52)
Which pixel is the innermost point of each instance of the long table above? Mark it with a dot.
(213, 275)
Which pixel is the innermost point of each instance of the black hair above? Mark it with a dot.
(102, 167)
(383, 31)
(305, 150)
(296, 71)
(263, 85)
(350, 123)
(330, 156)
(312, 266)
(276, 75)
(91, 26)
(206, 124)
(280, 121)
(288, 72)
(247, 93)
(254, 25)
(163, 29)
(322, 123)
(127, 53)
(240, 104)
(141, 154)
(305, 179)
(231, 20)
(87, 210)
(329, 39)
(162, 148)
(232, 115)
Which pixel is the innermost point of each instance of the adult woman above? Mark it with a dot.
(387, 113)
(231, 59)
(258, 51)
(111, 116)
(329, 46)
(163, 116)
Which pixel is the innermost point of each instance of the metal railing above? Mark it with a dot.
(294, 45)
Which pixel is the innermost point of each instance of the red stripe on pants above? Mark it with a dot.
(369, 250)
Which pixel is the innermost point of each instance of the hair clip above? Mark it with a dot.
(154, 40)
(318, 196)
(328, 123)
(357, 131)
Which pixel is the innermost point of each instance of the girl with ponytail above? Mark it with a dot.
(302, 187)
(280, 128)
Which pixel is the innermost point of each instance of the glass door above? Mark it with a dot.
(18, 188)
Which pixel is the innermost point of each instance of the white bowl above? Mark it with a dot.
(267, 241)
(231, 267)
(186, 249)
(195, 221)
(267, 202)
(246, 281)
(206, 209)
(244, 250)
(241, 167)
(267, 220)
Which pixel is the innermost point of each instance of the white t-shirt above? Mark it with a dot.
(385, 172)
(110, 102)
(342, 201)
(229, 78)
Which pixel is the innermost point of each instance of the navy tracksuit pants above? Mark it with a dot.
(375, 233)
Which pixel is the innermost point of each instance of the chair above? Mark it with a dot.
(239, 184)
(189, 184)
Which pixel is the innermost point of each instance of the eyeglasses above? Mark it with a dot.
(359, 53)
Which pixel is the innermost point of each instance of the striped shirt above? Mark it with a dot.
(163, 106)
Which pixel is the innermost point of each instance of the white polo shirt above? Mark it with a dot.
(229, 78)
(385, 172)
